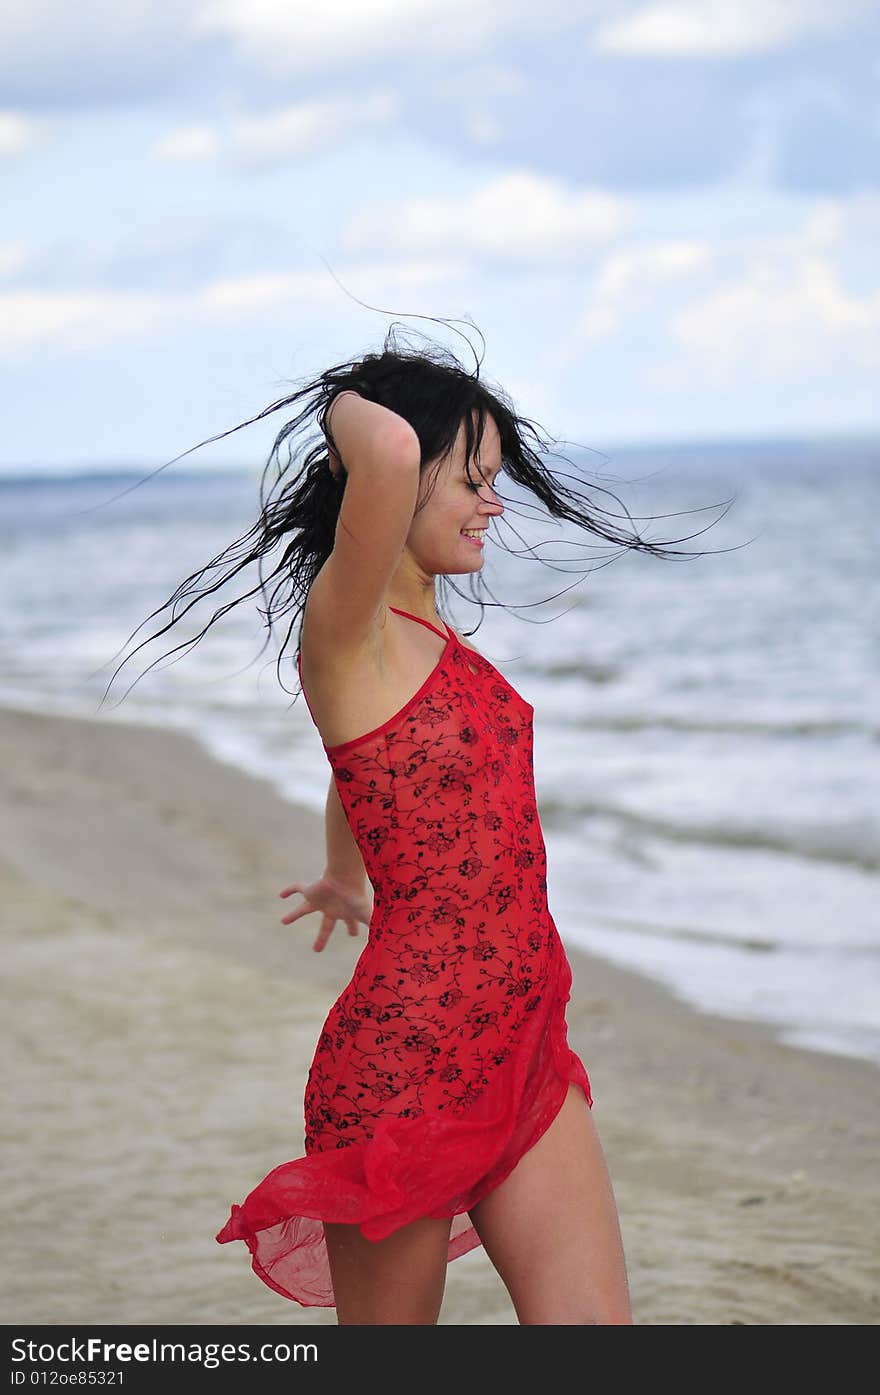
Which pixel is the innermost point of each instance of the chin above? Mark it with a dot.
(455, 571)
(455, 565)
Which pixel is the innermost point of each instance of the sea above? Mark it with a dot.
(707, 725)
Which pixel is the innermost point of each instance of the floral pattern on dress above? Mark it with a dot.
(446, 1055)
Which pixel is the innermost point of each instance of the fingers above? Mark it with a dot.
(323, 934)
(304, 909)
(329, 917)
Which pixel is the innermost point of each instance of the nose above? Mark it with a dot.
(489, 501)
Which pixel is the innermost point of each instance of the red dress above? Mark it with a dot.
(446, 1057)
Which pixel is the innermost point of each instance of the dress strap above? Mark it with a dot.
(448, 636)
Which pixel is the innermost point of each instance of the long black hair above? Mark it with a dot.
(300, 499)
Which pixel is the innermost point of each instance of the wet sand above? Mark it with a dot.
(159, 1022)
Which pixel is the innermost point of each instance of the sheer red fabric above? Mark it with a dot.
(446, 1057)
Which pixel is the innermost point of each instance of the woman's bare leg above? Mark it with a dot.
(398, 1281)
(551, 1227)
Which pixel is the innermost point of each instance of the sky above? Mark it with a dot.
(662, 218)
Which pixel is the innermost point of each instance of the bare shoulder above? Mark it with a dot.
(466, 642)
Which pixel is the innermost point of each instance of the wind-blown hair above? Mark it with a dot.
(300, 499)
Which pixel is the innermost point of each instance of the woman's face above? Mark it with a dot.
(461, 501)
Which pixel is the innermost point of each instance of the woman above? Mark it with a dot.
(444, 1107)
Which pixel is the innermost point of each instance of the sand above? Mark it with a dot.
(159, 1022)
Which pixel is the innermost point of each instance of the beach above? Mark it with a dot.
(159, 1022)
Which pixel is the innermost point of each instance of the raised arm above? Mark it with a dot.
(380, 454)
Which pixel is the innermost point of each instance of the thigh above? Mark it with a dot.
(398, 1280)
(551, 1227)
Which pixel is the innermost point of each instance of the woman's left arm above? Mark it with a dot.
(344, 861)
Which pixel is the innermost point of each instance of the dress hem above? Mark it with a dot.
(461, 1243)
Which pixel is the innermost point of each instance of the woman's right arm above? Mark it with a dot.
(381, 456)
(352, 423)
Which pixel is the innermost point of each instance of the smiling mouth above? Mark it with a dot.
(474, 536)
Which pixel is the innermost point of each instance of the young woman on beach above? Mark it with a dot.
(444, 1107)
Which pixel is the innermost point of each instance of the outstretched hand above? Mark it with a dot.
(334, 900)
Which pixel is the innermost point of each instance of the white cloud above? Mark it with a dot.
(776, 308)
(246, 296)
(19, 133)
(14, 257)
(784, 315)
(517, 217)
(824, 224)
(281, 36)
(646, 265)
(285, 37)
(296, 131)
(37, 321)
(780, 318)
(722, 28)
(57, 53)
(625, 284)
(72, 320)
(482, 127)
(239, 296)
(188, 143)
(596, 323)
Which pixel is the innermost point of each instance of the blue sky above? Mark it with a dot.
(663, 217)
